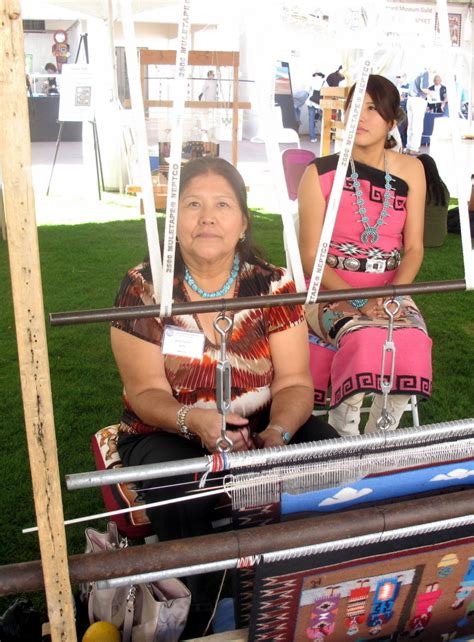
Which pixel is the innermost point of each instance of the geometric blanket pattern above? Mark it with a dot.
(417, 587)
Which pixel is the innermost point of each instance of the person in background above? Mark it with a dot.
(335, 78)
(209, 90)
(403, 88)
(416, 109)
(299, 99)
(377, 240)
(437, 96)
(50, 87)
(314, 108)
(436, 204)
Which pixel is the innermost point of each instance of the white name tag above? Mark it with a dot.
(182, 343)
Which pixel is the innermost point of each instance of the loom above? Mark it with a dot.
(276, 484)
(270, 486)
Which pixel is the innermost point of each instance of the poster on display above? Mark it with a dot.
(76, 100)
(455, 21)
(409, 22)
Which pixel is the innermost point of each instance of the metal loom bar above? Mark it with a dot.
(374, 442)
(28, 576)
(246, 303)
(302, 551)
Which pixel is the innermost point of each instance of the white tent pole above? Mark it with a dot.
(265, 92)
(377, 12)
(115, 94)
(110, 20)
(463, 178)
(471, 69)
(174, 174)
(138, 114)
(15, 155)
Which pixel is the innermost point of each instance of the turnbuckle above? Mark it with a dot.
(223, 325)
(386, 420)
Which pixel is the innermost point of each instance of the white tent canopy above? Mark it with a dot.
(204, 11)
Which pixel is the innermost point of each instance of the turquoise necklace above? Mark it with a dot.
(224, 289)
(370, 233)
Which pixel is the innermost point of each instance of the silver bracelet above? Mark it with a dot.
(181, 422)
(284, 434)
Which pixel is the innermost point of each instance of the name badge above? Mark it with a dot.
(182, 343)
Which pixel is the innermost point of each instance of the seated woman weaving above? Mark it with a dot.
(170, 400)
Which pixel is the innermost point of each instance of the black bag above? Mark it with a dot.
(20, 623)
(454, 224)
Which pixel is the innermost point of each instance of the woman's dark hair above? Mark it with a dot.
(436, 190)
(386, 99)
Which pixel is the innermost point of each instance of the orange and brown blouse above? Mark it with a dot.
(193, 381)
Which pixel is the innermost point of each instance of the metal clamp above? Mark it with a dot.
(386, 420)
(223, 325)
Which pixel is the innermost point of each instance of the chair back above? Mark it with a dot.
(295, 162)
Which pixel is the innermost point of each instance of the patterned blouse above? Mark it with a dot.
(192, 380)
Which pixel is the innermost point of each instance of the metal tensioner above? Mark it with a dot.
(223, 325)
(386, 420)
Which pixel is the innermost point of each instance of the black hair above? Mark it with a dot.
(50, 66)
(436, 190)
(386, 99)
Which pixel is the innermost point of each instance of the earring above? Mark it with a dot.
(242, 237)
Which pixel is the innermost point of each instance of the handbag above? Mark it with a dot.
(153, 612)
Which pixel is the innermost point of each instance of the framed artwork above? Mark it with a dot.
(455, 23)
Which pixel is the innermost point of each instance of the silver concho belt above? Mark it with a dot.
(351, 264)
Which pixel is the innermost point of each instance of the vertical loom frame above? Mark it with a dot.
(30, 324)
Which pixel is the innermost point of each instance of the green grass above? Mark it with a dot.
(82, 266)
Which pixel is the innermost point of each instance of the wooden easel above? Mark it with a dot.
(332, 98)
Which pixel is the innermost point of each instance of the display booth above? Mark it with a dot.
(43, 114)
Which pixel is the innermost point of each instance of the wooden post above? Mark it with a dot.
(15, 152)
(235, 109)
(332, 99)
(326, 133)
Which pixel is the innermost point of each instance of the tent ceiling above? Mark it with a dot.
(202, 11)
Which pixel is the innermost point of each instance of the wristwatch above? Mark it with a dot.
(284, 434)
(181, 422)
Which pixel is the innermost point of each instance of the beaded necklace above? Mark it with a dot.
(370, 233)
(223, 290)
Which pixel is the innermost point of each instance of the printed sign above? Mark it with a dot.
(76, 101)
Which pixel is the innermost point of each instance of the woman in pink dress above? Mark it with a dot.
(377, 240)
